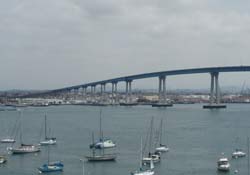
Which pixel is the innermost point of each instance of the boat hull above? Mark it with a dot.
(149, 172)
(52, 167)
(103, 144)
(3, 160)
(7, 141)
(147, 160)
(25, 150)
(238, 154)
(48, 142)
(162, 149)
(101, 158)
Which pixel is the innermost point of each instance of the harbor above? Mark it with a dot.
(195, 137)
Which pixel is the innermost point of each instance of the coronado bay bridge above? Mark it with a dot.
(214, 88)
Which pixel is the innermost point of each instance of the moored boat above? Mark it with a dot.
(47, 140)
(51, 167)
(102, 143)
(24, 148)
(154, 157)
(100, 157)
(238, 153)
(141, 171)
(162, 147)
(104, 157)
(223, 164)
(8, 140)
(3, 159)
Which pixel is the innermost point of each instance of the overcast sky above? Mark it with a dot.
(47, 44)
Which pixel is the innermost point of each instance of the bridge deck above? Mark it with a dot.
(162, 73)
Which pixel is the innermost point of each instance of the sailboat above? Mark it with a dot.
(47, 140)
(141, 171)
(101, 156)
(51, 166)
(24, 148)
(162, 147)
(102, 143)
(151, 156)
(9, 138)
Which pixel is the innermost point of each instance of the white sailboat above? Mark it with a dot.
(102, 143)
(10, 137)
(161, 148)
(151, 156)
(101, 156)
(141, 171)
(47, 140)
(24, 148)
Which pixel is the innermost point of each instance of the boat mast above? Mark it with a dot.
(48, 153)
(101, 134)
(150, 137)
(141, 156)
(247, 155)
(161, 132)
(93, 141)
(45, 119)
(21, 128)
(82, 167)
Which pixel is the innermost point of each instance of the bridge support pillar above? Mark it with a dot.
(162, 94)
(128, 98)
(103, 89)
(92, 93)
(114, 93)
(85, 90)
(214, 100)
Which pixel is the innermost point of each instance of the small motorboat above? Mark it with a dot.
(48, 141)
(238, 153)
(8, 140)
(51, 167)
(162, 148)
(3, 159)
(223, 164)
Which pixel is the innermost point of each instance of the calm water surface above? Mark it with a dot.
(196, 138)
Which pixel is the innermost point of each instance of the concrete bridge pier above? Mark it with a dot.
(128, 97)
(92, 92)
(85, 91)
(162, 94)
(214, 101)
(114, 93)
(103, 90)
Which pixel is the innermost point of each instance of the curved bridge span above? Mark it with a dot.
(159, 74)
(214, 88)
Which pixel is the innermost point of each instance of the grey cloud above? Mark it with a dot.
(50, 44)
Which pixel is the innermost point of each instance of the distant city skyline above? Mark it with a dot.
(54, 44)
